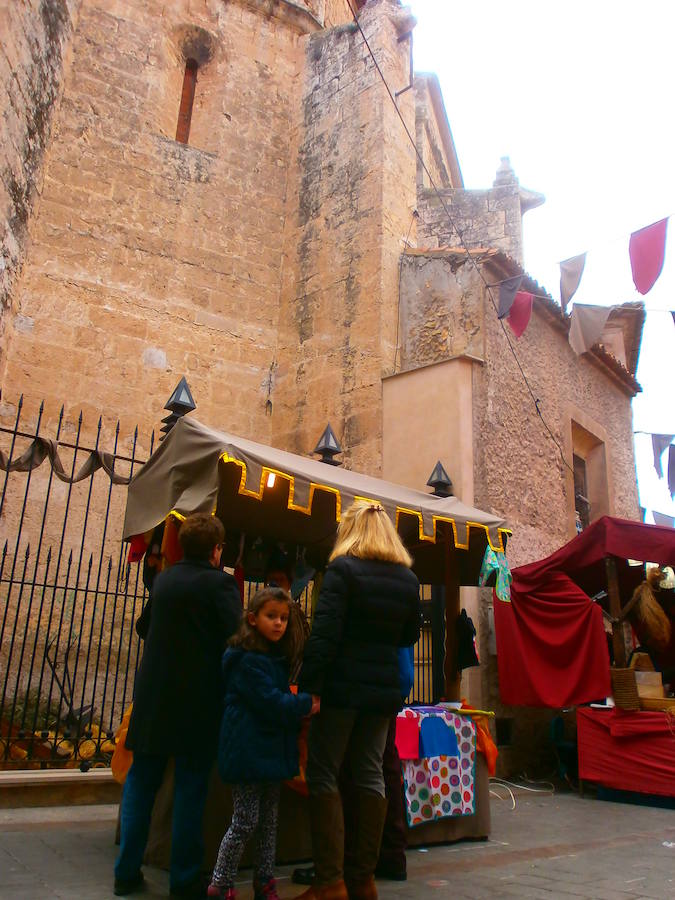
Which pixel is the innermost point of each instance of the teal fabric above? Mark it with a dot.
(495, 564)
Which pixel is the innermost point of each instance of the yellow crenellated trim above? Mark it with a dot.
(267, 470)
(432, 538)
(317, 486)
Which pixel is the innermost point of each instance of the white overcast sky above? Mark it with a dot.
(579, 94)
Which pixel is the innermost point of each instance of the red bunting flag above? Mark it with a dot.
(647, 248)
(521, 310)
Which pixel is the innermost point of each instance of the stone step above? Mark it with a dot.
(49, 787)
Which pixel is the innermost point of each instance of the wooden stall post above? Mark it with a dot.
(618, 641)
(452, 610)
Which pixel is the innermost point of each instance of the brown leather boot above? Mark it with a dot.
(328, 841)
(371, 811)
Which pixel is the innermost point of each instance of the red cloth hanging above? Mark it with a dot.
(521, 310)
(628, 751)
(647, 248)
(137, 547)
(551, 646)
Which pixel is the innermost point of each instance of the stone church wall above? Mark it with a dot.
(34, 38)
(150, 258)
(354, 193)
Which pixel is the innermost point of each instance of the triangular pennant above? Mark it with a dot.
(586, 326)
(521, 311)
(647, 248)
(659, 444)
(671, 470)
(571, 271)
(672, 312)
(507, 294)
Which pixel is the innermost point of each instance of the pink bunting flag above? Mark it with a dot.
(521, 310)
(647, 248)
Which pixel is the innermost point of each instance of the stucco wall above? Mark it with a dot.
(441, 311)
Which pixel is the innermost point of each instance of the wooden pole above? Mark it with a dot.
(452, 610)
(618, 641)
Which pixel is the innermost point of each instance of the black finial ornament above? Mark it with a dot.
(328, 447)
(178, 404)
(439, 480)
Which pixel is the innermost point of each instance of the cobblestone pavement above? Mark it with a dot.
(549, 846)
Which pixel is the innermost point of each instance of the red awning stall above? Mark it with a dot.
(552, 648)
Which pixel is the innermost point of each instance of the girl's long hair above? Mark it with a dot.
(366, 531)
(290, 645)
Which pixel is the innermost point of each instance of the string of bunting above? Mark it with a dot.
(646, 249)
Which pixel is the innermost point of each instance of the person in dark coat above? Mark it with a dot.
(258, 747)
(178, 704)
(368, 607)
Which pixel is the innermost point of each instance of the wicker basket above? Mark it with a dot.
(624, 689)
(658, 704)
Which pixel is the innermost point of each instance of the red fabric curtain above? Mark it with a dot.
(551, 645)
(629, 751)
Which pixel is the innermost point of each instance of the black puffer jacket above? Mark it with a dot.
(366, 610)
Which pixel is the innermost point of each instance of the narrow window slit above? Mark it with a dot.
(186, 101)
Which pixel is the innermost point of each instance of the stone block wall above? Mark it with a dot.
(34, 37)
(489, 218)
(428, 138)
(152, 259)
(350, 204)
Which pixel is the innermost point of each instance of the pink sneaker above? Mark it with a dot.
(266, 891)
(221, 893)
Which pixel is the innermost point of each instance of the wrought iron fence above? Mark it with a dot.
(68, 597)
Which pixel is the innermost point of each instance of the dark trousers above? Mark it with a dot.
(140, 789)
(394, 842)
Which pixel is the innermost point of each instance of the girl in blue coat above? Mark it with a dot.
(258, 747)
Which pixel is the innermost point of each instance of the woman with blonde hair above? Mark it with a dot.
(368, 607)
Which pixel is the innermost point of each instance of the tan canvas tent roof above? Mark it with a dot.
(199, 469)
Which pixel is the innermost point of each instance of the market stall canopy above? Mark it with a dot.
(199, 469)
(551, 643)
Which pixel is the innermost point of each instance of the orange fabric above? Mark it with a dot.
(122, 758)
(172, 552)
(484, 742)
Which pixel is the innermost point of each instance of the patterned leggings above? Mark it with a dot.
(256, 808)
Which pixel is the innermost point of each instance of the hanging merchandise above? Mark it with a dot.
(467, 654)
(647, 248)
(521, 310)
(659, 444)
(586, 326)
(495, 572)
(507, 294)
(571, 271)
